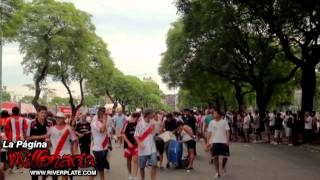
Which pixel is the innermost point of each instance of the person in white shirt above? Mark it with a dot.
(307, 127)
(272, 121)
(288, 125)
(62, 138)
(158, 129)
(218, 140)
(147, 151)
(256, 124)
(99, 130)
(188, 138)
(246, 127)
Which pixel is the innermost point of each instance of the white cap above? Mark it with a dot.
(60, 115)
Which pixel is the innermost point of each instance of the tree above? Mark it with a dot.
(28, 99)
(12, 12)
(226, 40)
(91, 100)
(5, 96)
(59, 101)
(47, 23)
(296, 26)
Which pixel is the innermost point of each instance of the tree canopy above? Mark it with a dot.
(217, 38)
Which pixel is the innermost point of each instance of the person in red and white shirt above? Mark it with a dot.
(147, 151)
(62, 138)
(16, 126)
(99, 130)
(15, 130)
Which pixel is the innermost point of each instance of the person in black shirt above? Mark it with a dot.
(130, 145)
(38, 132)
(83, 131)
(170, 124)
(278, 129)
(191, 121)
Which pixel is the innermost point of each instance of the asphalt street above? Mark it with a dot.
(247, 161)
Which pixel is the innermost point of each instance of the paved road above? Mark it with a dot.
(248, 161)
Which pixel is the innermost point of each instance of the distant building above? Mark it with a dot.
(148, 79)
(172, 101)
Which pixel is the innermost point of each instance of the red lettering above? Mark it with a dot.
(43, 159)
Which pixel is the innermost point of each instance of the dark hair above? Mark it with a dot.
(180, 123)
(216, 109)
(16, 111)
(42, 108)
(101, 109)
(50, 114)
(135, 115)
(4, 114)
(147, 112)
(169, 116)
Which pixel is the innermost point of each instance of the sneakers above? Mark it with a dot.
(217, 176)
(224, 172)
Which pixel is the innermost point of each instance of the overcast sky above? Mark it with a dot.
(135, 32)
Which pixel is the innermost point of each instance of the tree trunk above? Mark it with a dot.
(240, 98)
(36, 95)
(263, 96)
(110, 97)
(39, 79)
(308, 84)
(262, 105)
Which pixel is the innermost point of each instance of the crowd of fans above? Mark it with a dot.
(140, 134)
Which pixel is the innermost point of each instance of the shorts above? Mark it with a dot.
(220, 149)
(129, 152)
(151, 159)
(267, 128)
(118, 132)
(4, 157)
(288, 132)
(278, 133)
(272, 128)
(100, 159)
(159, 144)
(191, 144)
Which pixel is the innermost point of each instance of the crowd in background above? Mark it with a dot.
(127, 130)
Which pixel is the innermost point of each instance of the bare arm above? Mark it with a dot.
(209, 138)
(74, 146)
(140, 143)
(188, 130)
(228, 137)
(40, 137)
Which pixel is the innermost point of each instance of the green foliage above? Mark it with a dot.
(5, 96)
(59, 101)
(216, 38)
(28, 99)
(12, 12)
(295, 25)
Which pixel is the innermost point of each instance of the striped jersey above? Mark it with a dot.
(16, 128)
